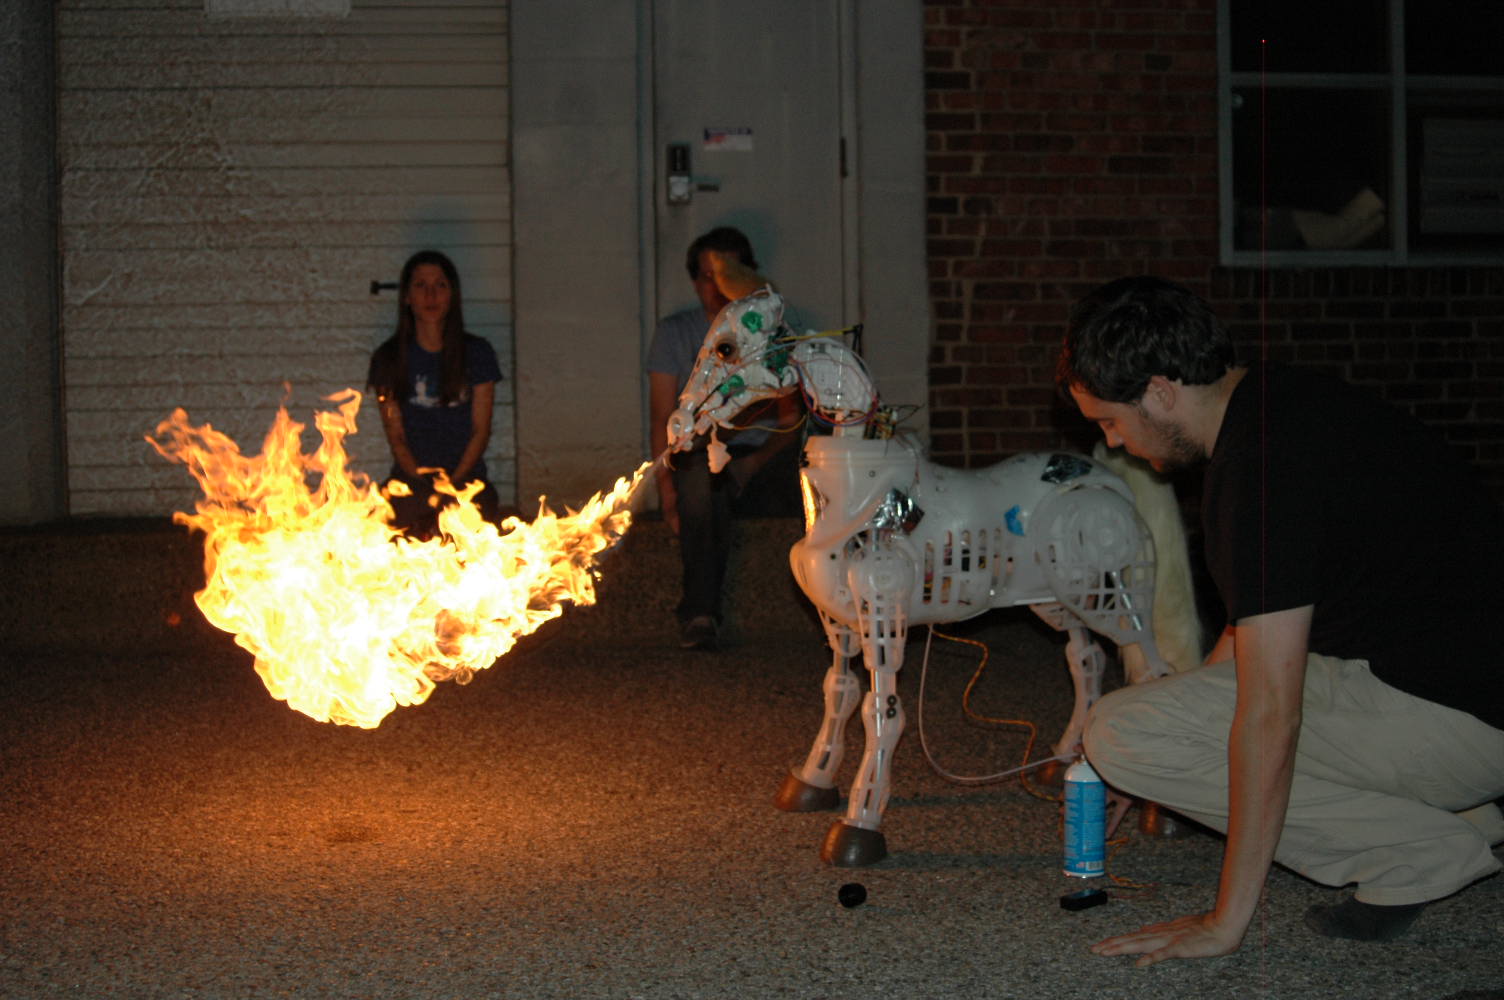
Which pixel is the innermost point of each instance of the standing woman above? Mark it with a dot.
(435, 384)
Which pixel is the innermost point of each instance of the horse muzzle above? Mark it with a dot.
(681, 430)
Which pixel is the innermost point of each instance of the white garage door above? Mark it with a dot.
(232, 187)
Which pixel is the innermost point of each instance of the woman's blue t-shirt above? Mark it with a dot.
(437, 433)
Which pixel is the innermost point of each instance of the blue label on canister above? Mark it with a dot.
(1085, 822)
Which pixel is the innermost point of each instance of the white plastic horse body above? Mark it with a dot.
(893, 539)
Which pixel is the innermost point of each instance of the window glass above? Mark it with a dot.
(1456, 167)
(1310, 36)
(1454, 37)
(1317, 160)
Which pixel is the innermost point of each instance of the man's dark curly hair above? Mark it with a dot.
(726, 239)
(1129, 330)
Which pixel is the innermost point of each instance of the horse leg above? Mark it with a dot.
(881, 580)
(812, 788)
(1177, 623)
(1087, 662)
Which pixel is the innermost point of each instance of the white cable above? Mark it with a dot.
(964, 779)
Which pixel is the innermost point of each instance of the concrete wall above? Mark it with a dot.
(31, 447)
(577, 232)
(890, 218)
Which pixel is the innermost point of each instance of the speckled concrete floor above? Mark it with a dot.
(590, 818)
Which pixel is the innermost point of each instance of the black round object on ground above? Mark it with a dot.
(852, 894)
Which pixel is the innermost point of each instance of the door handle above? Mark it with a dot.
(680, 182)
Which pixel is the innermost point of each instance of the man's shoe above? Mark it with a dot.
(698, 633)
(1362, 921)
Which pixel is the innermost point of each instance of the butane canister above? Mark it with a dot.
(1085, 821)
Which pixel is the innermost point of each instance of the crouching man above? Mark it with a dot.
(1349, 724)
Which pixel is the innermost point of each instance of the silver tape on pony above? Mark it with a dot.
(897, 512)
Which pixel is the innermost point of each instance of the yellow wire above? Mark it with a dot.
(767, 405)
(774, 430)
(1023, 779)
(816, 335)
(1141, 890)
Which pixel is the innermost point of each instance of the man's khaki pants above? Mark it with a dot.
(1391, 792)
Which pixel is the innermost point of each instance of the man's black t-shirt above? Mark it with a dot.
(1319, 493)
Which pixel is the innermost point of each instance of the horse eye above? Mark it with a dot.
(726, 349)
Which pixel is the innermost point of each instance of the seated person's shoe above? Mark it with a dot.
(698, 633)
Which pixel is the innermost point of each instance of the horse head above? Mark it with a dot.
(746, 358)
(751, 354)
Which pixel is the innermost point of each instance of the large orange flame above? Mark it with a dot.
(348, 618)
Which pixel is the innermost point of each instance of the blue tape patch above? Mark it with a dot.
(1012, 520)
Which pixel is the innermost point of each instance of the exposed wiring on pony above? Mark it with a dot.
(986, 779)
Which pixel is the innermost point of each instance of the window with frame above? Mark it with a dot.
(1361, 131)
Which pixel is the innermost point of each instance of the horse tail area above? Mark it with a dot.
(1177, 625)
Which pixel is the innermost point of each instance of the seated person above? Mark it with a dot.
(698, 504)
(435, 385)
(1346, 724)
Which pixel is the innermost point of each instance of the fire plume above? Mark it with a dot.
(348, 618)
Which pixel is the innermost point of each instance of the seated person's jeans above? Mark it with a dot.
(754, 483)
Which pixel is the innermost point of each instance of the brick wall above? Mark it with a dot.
(1069, 143)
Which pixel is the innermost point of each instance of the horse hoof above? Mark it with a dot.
(796, 795)
(848, 846)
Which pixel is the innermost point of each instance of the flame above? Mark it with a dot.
(347, 617)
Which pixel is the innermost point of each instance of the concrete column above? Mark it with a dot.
(892, 280)
(32, 475)
(576, 243)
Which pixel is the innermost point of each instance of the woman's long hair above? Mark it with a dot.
(390, 379)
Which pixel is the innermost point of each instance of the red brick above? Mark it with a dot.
(966, 397)
(947, 419)
(1065, 41)
(947, 444)
(988, 327)
(948, 164)
(1141, 165)
(952, 122)
(1006, 290)
(978, 142)
(1012, 163)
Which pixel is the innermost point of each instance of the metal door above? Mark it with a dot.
(751, 91)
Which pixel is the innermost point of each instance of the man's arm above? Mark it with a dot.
(1270, 651)
(1223, 650)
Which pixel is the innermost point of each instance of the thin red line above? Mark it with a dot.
(1263, 401)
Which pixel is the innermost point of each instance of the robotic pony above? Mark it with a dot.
(892, 539)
